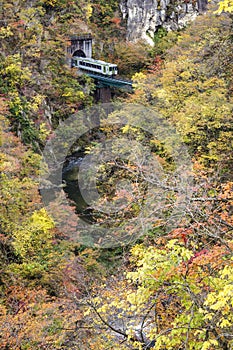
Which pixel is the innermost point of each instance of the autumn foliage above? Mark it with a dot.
(169, 289)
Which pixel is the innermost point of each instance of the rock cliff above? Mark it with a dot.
(144, 17)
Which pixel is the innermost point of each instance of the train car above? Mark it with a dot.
(95, 66)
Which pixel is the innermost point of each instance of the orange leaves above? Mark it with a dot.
(116, 21)
(32, 317)
(18, 24)
(226, 195)
(156, 66)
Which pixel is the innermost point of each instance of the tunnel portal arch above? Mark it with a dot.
(79, 53)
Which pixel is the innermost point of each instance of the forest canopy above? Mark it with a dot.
(171, 286)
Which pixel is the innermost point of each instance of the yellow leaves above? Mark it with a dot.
(36, 102)
(227, 273)
(137, 250)
(161, 93)
(29, 16)
(103, 309)
(72, 95)
(6, 32)
(225, 323)
(34, 234)
(16, 74)
(137, 299)
(214, 82)
(160, 342)
(44, 131)
(186, 75)
(40, 220)
(221, 299)
(208, 344)
(209, 316)
(50, 2)
(88, 10)
(139, 77)
(138, 80)
(225, 6)
(68, 92)
(178, 250)
(13, 67)
(87, 312)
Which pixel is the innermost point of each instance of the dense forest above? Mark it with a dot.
(148, 263)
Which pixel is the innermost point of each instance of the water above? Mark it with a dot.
(70, 178)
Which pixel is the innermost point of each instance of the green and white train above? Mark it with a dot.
(95, 66)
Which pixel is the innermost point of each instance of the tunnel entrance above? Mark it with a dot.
(79, 53)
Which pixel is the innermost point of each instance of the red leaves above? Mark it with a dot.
(198, 254)
(182, 233)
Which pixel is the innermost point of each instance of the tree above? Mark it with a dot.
(193, 90)
(41, 89)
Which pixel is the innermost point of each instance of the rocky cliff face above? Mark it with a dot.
(144, 17)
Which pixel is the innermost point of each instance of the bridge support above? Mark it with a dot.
(103, 94)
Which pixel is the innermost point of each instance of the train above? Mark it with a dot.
(95, 66)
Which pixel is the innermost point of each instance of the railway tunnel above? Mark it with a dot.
(79, 53)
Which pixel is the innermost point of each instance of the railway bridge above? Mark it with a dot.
(105, 85)
(105, 81)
